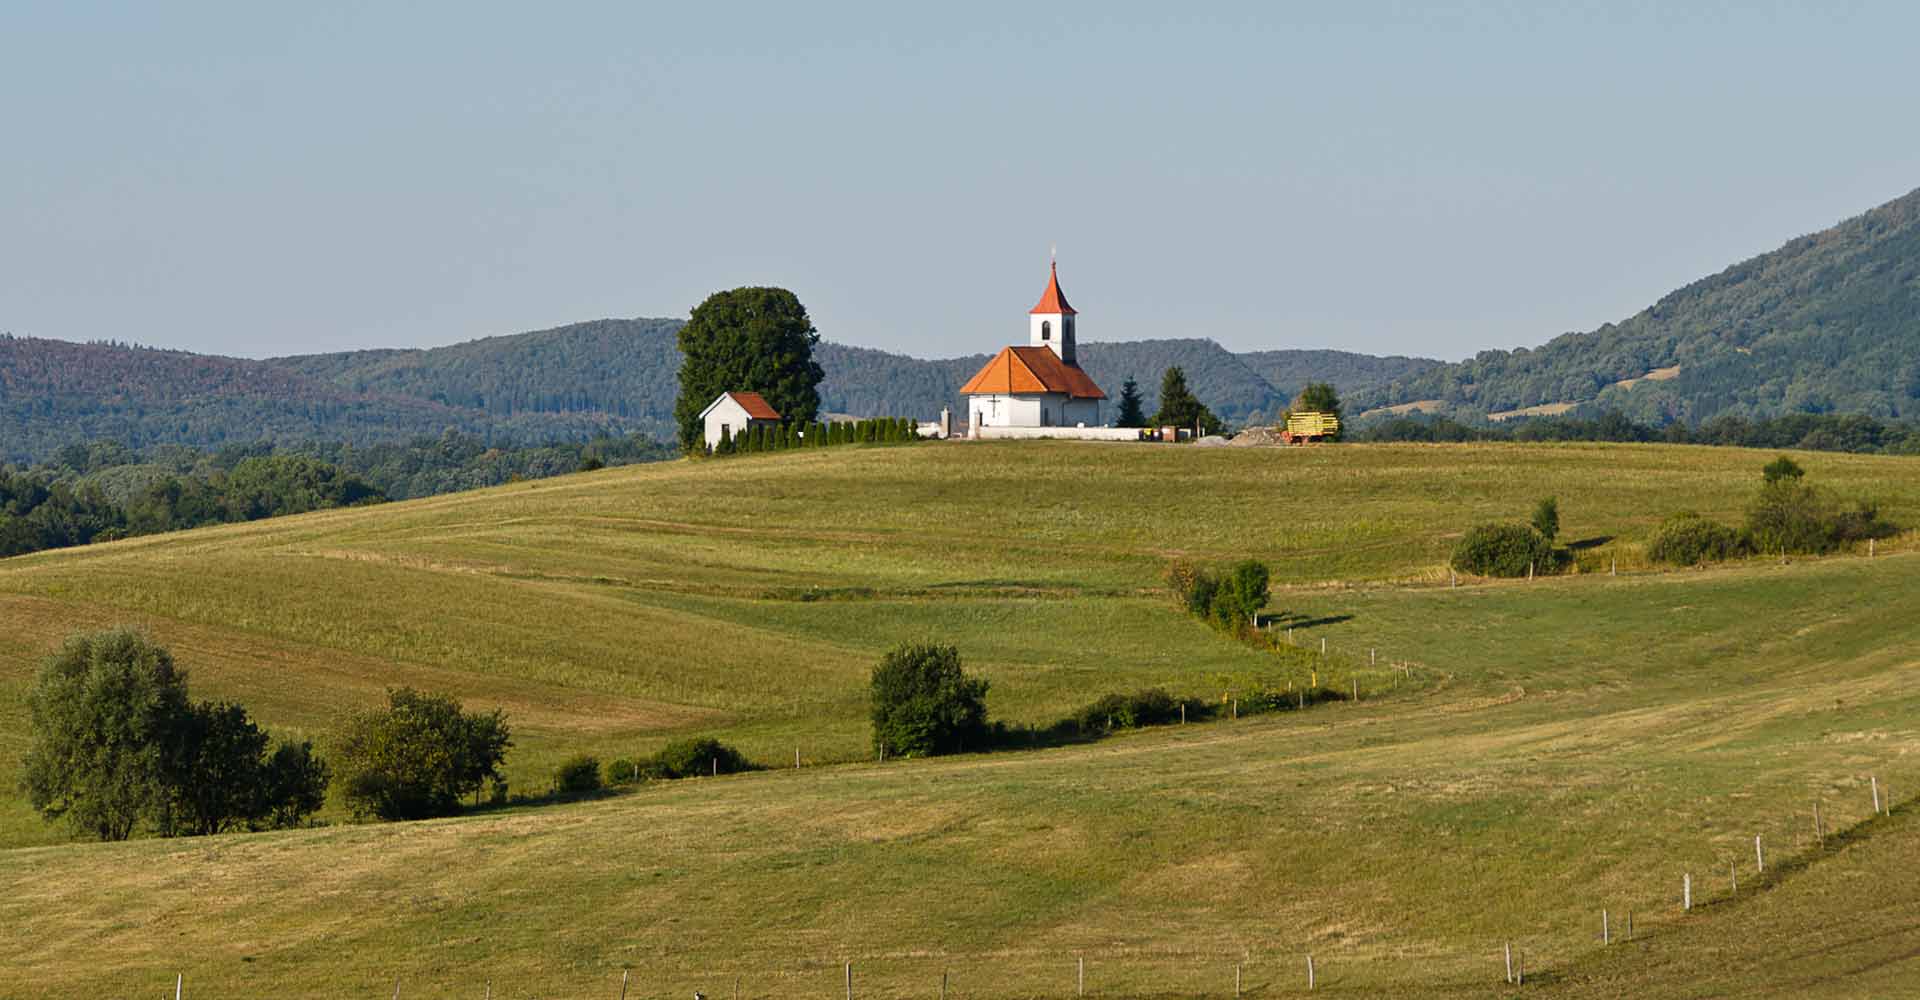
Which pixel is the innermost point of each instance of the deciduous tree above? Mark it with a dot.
(747, 340)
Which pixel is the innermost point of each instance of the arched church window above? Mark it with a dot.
(1046, 330)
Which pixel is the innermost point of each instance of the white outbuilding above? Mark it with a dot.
(1041, 384)
(734, 412)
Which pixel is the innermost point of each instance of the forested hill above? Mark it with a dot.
(54, 393)
(628, 370)
(612, 376)
(1829, 323)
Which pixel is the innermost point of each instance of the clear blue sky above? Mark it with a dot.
(262, 179)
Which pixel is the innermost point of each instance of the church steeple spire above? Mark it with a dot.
(1051, 301)
(1050, 324)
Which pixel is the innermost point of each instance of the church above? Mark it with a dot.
(1039, 385)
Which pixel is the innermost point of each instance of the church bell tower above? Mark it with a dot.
(1050, 324)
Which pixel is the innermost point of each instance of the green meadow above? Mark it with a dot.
(1524, 754)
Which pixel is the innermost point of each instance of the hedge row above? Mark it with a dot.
(814, 434)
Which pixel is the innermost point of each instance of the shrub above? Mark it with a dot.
(577, 776)
(693, 757)
(923, 703)
(1241, 594)
(1151, 707)
(1687, 539)
(418, 756)
(1546, 518)
(1192, 586)
(1231, 603)
(1782, 468)
(622, 771)
(1502, 550)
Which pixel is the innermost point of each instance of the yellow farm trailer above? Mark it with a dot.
(1303, 428)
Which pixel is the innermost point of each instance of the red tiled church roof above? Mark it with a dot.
(1025, 370)
(1051, 301)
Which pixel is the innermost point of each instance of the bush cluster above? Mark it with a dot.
(577, 776)
(1497, 549)
(116, 745)
(1687, 539)
(691, 758)
(1791, 516)
(1113, 712)
(814, 434)
(418, 756)
(1230, 602)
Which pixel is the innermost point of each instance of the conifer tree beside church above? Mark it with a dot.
(747, 340)
(1130, 415)
(1180, 408)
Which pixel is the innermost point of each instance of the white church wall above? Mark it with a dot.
(1006, 411)
(1081, 411)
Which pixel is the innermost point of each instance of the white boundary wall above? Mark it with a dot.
(1060, 433)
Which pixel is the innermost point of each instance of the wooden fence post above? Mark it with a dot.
(623, 984)
(179, 980)
(849, 981)
(1876, 793)
(1686, 891)
(1606, 932)
(1309, 972)
(1236, 981)
(1508, 948)
(1759, 856)
(1080, 976)
(1733, 875)
(943, 984)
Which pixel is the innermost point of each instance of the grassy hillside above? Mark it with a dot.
(1552, 748)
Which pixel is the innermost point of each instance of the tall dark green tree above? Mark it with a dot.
(747, 340)
(1180, 408)
(1130, 415)
(105, 711)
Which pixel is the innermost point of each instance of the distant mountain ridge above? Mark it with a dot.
(603, 376)
(1828, 323)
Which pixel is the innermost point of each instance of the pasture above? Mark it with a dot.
(1554, 747)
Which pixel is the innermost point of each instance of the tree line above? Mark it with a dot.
(105, 490)
(1805, 431)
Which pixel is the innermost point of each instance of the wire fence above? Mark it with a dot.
(1758, 866)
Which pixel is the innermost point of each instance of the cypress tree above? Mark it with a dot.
(725, 447)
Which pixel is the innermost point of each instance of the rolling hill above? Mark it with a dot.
(1828, 323)
(1523, 753)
